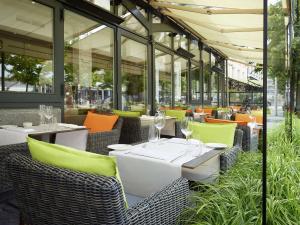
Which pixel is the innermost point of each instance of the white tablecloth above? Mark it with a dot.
(11, 137)
(147, 168)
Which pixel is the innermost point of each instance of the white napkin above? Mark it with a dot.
(158, 151)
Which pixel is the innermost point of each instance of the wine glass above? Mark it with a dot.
(159, 122)
(48, 113)
(185, 128)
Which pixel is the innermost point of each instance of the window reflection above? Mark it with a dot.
(180, 41)
(195, 82)
(131, 22)
(134, 75)
(163, 78)
(26, 46)
(194, 49)
(88, 63)
(105, 4)
(163, 38)
(180, 80)
(206, 76)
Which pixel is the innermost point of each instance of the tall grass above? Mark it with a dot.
(236, 199)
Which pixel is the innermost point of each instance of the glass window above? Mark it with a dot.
(194, 49)
(195, 82)
(214, 88)
(156, 19)
(26, 46)
(131, 22)
(88, 65)
(180, 80)
(206, 76)
(105, 4)
(163, 78)
(180, 41)
(163, 38)
(134, 75)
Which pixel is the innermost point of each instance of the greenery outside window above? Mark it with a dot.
(88, 64)
(26, 47)
(134, 75)
(163, 78)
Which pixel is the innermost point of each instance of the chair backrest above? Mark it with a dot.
(74, 139)
(49, 195)
(211, 120)
(216, 133)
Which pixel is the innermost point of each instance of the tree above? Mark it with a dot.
(24, 69)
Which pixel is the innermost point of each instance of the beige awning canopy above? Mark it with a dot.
(233, 27)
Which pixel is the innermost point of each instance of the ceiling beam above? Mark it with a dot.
(213, 27)
(207, 11)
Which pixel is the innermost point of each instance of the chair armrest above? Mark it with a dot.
(229, 157)
(163, 207)
(98, 142)
(238, 137)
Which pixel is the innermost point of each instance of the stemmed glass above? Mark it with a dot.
(159, 122)
(185, 128)
(48, 113)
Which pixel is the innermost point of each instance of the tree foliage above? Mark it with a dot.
(24, 69)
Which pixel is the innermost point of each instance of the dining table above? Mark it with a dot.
(147, 167)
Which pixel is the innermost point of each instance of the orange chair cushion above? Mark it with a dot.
(208, 110)
(210, 120)
(198, 110)
(242, 117)
(97, 122)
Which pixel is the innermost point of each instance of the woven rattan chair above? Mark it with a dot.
(98, 142)
(132, 131)
(229, 157)
(49, 195)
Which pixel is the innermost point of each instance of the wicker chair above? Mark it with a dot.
(250, 141)
(132, 131)
(229, 157)
(49, 195)
(98, 142)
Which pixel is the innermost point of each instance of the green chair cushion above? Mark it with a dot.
(126, 113)
(214, 133)
(179, 114)
(73, 159)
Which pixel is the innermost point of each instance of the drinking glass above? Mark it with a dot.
(48, 114)
(152, 136)
(159, 122)
(185, 128)
(42, 114)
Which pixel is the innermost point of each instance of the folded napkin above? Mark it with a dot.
(183, 141)
(161, 152)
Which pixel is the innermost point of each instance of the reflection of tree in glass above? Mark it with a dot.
(134, 85)
(24, 69)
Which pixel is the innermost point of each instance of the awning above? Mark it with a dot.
(233, 27)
